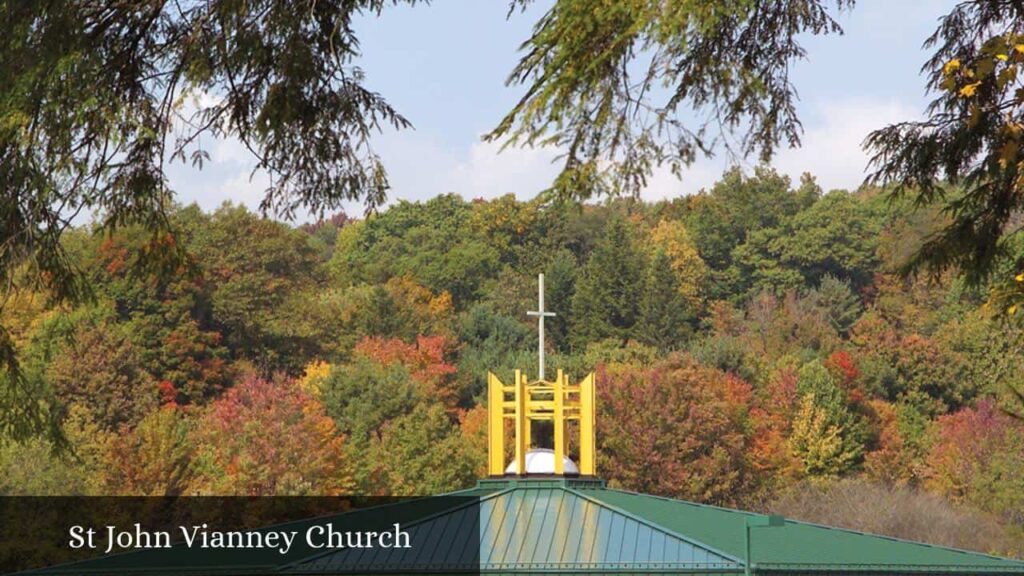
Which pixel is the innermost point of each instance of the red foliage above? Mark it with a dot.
(842, 365)
(676, 429)
(265, 438)
(966, 442)
(425, 361)
(168, 393)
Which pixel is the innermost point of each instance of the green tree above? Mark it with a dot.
(605, 304)
(560, 285)
(664, 319)
(419, 454)
(840, 304)
(363, 395)
(737, 208)
(494, 343)
(259, 276)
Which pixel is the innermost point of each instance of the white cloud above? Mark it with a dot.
(421, 167)
(832, 143)
(490, 172)
(831, 151)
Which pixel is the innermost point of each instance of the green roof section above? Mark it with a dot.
(573, 526)
(800, 545)
(535, 528)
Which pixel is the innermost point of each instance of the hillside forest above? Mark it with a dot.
(753, 343)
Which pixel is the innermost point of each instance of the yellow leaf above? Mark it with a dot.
(953, 65)
(1019, 48)
(969, 90)
(1019, 277)
(1002, 57)
(1012, 310)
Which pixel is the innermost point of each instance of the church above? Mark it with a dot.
(544, 513)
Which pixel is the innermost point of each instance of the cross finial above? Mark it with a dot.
(540, 313)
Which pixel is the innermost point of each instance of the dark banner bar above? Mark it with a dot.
(259, 535)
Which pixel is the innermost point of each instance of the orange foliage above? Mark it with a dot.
(425, 361)
(889, 462)
(771, 417)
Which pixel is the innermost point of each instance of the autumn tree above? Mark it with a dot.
(676, 429)
(690, 270)
(975, 459)
(99, 99)
(154, 458)
(426, 362)
(828, 435)
(268, 438)
(99, 369)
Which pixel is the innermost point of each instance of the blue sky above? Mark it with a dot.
(443, 66)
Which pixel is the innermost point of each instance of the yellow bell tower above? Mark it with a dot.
(525, 402)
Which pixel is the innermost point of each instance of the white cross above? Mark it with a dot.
(541, 314)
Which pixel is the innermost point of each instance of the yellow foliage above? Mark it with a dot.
(818, 444)
(314, 375)
(951, 66)
(441, 305)
(969, 90)
(672, 237)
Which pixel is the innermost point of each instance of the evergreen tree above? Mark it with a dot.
(560, 284)
(838, 301)
(606, 304)
(664, 318)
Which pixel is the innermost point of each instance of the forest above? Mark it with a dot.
(753, 344)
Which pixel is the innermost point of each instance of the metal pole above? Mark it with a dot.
(540, 326)
(746, 546)
(540, 314)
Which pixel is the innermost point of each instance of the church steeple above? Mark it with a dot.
(524, 402)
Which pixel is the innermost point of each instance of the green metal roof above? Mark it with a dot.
(567, 526)
(538, 528)
(800, 545)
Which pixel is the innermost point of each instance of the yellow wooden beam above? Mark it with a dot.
(559, 426)
(522, 442)
(587, 438)
(528, 423)
(495, 426)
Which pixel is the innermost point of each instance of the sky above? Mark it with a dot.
(443, 66)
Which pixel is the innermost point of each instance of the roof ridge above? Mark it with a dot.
(655, 526)
(415, 522)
